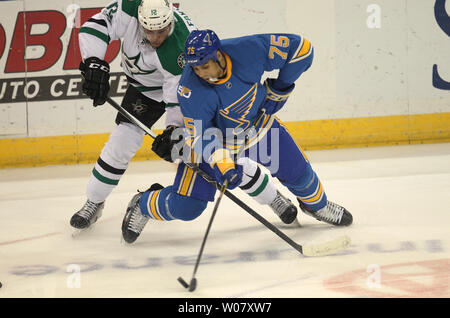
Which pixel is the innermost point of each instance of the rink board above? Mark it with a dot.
(319, 134)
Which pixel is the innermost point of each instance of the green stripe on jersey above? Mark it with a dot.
(172, 104)
(104, 37)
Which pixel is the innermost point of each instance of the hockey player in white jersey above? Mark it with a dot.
(153, 33)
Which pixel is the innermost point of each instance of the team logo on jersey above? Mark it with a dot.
(132, 66)
(138, 107)
(184, 91)
(181, 60)
(240, 109)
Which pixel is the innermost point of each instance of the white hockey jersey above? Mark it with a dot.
(153, 72)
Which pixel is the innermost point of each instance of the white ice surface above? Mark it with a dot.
(399, 197)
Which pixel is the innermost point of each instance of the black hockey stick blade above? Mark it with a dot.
(191, 287)
(193, 284)
(183, 282)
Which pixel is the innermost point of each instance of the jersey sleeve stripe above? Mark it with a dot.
(303, 51)
(147, 89)
(305, 48)
(102, 36)
(99, 22)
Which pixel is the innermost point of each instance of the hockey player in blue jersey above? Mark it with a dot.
(221, 91)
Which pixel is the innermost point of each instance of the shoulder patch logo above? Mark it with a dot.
(181, 61)
(184, 91)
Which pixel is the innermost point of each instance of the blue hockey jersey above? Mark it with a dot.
(232, 103)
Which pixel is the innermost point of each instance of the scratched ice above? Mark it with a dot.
(399, 197)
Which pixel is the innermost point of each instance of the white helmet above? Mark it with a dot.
(155, 14)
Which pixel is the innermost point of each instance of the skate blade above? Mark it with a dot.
(124, 243)
(81, 232)
(294, 225)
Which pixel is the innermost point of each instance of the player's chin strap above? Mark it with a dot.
(331, 247)
(223, 68)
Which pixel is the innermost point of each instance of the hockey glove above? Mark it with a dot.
(226, 169)
(163, 144)
(96, 79)
(277, 94)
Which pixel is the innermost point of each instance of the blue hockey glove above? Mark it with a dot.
(226, 169)
(277, 93)
(233, 175)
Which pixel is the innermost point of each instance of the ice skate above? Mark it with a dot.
(134, 221)
(284, 208)
(332, 213)
(87, 215)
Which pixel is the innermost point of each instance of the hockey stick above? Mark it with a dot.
(130, 117)
(193, 282)
(313, 250)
